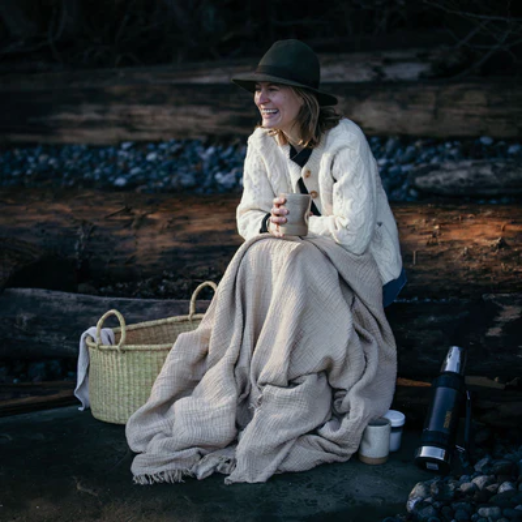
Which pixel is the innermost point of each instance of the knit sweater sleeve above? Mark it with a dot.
(353, 217)
(257, 199)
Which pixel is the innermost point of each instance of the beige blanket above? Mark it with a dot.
(292, 359)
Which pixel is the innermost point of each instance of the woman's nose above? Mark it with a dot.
(261, 97)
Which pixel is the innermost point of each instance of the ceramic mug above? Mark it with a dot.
(397, 420)
(375, 442)
(298, 206)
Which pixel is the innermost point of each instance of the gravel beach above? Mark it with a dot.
(214, 167)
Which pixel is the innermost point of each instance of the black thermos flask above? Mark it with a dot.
(441, 425)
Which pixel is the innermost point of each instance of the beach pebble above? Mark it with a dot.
(490, 512)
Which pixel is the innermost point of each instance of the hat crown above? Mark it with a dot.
(291, 60)
(288, 62)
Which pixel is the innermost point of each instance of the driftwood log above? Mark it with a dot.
(470, 178)
(71, 108)
(448, 250)
(495, 408)
(38, 324)
(379, 65)
(27, 397)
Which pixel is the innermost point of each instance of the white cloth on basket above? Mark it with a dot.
(291, 361)
(81, 392)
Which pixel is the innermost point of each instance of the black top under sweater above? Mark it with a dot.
(300, 158)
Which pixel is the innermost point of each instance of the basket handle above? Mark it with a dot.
(192, 308)
(122, 326)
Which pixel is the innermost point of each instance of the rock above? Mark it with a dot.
(55, 369)
(463, 506)
(505, 499)
(503, 467)
(120, 181)
(468, 488)
(391, 146)
(447, 513)
(512, 514)
(423, 512)
(492, 512)
(461, 515)
(482, 464)
(412, 502)
(36, 371)
(481, 496)
(442, 491)
(492, 488)
(421, 489)
(482, 481)
(486, 140)
(506, 486)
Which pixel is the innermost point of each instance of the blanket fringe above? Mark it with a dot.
(172, 477)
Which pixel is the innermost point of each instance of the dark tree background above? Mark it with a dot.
(70, 34)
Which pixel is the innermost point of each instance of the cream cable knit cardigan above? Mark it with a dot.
(343, 176)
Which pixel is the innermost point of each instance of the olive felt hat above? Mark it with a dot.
(288, 62)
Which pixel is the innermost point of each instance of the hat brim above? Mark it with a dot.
(248, 82)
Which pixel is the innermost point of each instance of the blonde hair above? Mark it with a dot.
(312, 120)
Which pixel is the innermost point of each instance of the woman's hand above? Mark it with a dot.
(277, 216)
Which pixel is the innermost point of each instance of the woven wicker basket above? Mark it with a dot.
(121, 375)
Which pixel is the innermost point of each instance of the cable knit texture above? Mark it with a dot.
(354, 208)
(292, 359)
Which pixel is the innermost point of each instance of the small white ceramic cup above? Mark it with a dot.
(397, 420)
(375, 442)
(298, 206)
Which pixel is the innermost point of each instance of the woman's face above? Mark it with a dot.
(279, 105)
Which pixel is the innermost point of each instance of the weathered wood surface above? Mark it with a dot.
(489, 327)
(38, 323)
(27, 397)
(373, 66)
(15, 255)
(470, 178)
(45, 324)
(155, 111)
(448, 250)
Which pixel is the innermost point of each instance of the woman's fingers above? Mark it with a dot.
(274, 229)
(278, 213)
(278, 216)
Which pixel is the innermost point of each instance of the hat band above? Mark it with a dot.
(285, 74)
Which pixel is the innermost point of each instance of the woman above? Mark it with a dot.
(294, 356)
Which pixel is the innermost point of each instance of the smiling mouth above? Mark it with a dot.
(269, 112)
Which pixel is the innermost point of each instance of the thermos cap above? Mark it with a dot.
(455, 361)
(396, 418)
